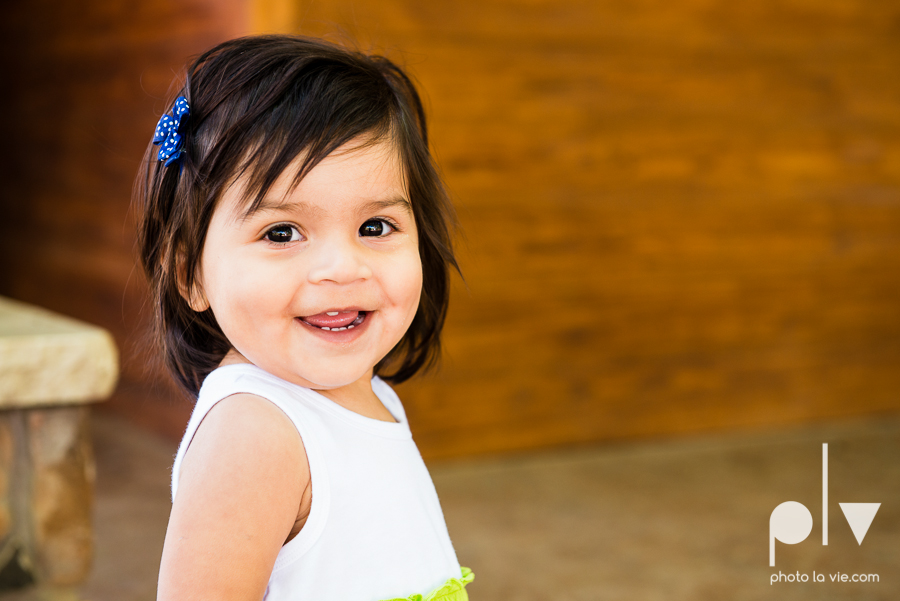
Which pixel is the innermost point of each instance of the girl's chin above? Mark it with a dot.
(325, 379)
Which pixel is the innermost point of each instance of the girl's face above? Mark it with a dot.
(323, 280)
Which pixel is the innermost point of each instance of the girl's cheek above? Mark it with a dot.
(241, 290)
(401, 285)
(413, 287)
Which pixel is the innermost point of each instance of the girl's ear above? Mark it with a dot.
(196, 299)
(194, 296)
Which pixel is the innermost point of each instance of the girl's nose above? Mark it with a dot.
(341, 262)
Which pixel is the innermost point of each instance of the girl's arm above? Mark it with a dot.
(239, 494)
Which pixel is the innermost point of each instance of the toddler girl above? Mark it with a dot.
(295, 235)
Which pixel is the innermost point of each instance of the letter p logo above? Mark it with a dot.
(790, 523)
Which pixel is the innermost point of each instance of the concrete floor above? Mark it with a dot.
(677, 520)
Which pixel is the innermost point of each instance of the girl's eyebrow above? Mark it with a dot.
(300, 206)
(386, 204)
(269, 206)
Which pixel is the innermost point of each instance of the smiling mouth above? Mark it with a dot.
(335, 320)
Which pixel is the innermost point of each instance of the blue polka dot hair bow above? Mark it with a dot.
(167, 132)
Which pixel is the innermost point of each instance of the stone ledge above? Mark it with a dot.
(49, 359)
(46, 496)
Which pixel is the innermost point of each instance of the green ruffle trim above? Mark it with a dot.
(452, 590)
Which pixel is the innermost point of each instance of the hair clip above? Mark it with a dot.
(167, 132)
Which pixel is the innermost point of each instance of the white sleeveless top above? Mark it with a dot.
(375, 529)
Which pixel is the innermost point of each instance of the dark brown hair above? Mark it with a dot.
(256, 104)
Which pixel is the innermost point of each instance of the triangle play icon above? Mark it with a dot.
(859, 516)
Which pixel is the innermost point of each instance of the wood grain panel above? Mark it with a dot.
(85, 83)
(677, 216)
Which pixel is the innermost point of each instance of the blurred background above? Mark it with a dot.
(680, 222)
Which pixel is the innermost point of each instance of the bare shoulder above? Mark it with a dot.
(247, 430)
(244, 443)
(241, 483)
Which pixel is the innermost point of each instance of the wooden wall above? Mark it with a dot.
(84, 83)
(678, 216)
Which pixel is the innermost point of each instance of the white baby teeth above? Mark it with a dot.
(331, 313)
(351, 326)
(324, 328)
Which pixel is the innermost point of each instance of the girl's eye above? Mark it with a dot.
(281, 234)
(376, 228)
